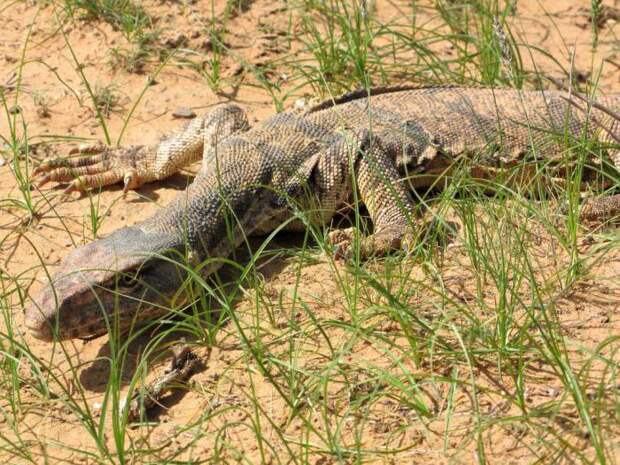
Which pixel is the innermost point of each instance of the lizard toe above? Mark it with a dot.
(71, 174)
(92, 149)
(339, 236)
(51, 164)
(92, 181)
(48, 165)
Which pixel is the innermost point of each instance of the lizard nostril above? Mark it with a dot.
(37, 319)
(38, 327)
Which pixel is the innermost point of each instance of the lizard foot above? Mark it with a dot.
(600, 208)
(101, 166)
(341, 241)
(377, 244)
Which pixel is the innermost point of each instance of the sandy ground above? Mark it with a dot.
(590, 314)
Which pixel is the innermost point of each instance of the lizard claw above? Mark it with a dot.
(377, 244)
(341, 252)
(39, 169)
(77, 185)
(130, 181)
(43, 181)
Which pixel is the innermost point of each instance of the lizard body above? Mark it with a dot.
(379, 145)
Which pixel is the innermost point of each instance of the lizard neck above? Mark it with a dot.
(209, 220)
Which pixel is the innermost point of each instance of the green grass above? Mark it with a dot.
(134, 57)
(428, 356)
(124, 15)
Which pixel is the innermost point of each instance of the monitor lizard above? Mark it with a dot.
(371, 145)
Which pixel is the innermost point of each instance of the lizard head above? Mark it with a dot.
(119, 280)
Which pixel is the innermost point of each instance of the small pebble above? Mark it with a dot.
(301, 104)
(97, 406)
(582, 76)
(552, 392)
(207, 44)
(177, 41)
(184, 112)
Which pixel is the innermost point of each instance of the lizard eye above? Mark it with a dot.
(128, 280)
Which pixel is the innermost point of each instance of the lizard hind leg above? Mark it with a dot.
(199, 139)
(99, 165)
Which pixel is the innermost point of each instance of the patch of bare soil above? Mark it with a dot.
(54, 102)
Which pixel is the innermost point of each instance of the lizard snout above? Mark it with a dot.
(59, 310)
(37, 323)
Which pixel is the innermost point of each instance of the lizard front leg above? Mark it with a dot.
(384, 194)
(137, 165)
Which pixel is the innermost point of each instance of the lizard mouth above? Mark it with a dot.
(49, 330)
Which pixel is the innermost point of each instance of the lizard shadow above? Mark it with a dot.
(148, 192)
(95, 375)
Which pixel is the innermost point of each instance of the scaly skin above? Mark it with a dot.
(250, 178)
